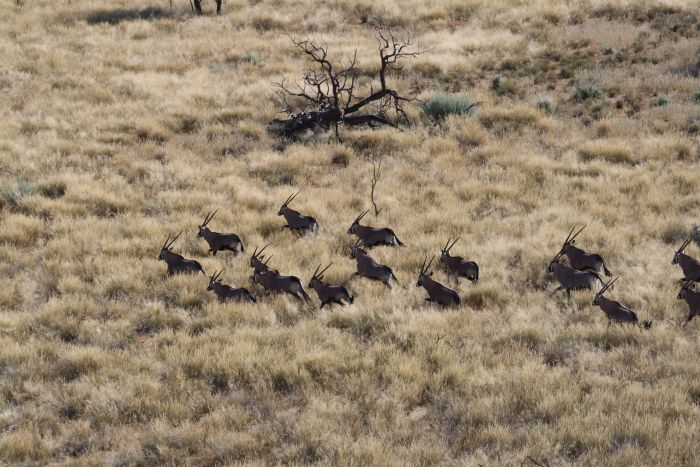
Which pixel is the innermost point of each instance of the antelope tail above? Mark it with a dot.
(305, 295)
(398, 242)
(351, 299)
(242, 247)
(606, 270)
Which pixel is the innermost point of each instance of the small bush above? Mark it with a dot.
(697, 97)
(608, 49)
(586, 91)
(250, 58)
(545, 104)
(662, 100)
(502, 86)
(440, 106)
(12, 196)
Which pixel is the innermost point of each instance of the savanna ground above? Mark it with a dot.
(117, 130)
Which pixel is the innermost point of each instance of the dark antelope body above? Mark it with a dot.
(436, 291)
(571, 279)
(615, 311)
(458, 265)
(219, 241)
(296, 220)
(373, 236)
(226, 292)
(369, 268)
(257, 263)
(273, 282)
(197, 5)
(689, 265)
(177, 264)
(692, 298)
(581, 260)
(326, 292)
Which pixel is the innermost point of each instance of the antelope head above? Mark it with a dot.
(289, 200)
(257, 255)
(355, 249)
(680, 250)
(554, 261)
(684, 290)
(214, 279)
(445, 252)
(357, 220)
(424, 271)
(596, 300)
(203, 228)
(318, 276)
(570, 240)
(166, 246)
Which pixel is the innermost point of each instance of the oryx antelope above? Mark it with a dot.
(581, 260)
(226, 292)
(689, 265)
(369, 268)
(436, 291)
(295, 220)
(273, 282)
(177, 264)
(327, 293)
(257, 263)
(615, 311)
(219, 241)
(571, 279)
(692, 298)
(373, 236)
(458, 265)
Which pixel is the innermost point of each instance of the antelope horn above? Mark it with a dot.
(607, 286)
(685, 244)
(320, 274)
(263, 249)
(453, 244)
(216, 275)
(268, 260)
(291, 197)
(431, 262)
(359, 218)
(211, 217)
(422, 268)
(446, 244)
(576, 234)
(568, 237)
(314, 276)
(166, 243)
(173, 240)
(206, 219)
(255, 252)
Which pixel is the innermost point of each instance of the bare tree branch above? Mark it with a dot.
(330, 87)
(376, 175)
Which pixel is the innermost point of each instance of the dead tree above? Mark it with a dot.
(329, 91)
(376, 175)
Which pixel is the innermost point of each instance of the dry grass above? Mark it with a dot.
(121, 126)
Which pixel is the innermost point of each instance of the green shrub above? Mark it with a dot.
(608, 49)
(440, 106)
(586, 91)
(662, 100)
(545, 104)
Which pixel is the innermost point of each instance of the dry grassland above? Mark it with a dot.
(116, 131)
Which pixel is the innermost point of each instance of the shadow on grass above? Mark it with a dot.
(119, 15)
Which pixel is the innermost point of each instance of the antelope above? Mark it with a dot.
(257, 263)
(369, 268)
(326, 292)
(373, 236)
(581, 260)
(273, 282)
(615, 311)
(689, 265)
(458, 265)
(177, 264)
(219, 241)
(436, 291)
(570, 278)
(692, 298)
(226, 292)
(295, 220)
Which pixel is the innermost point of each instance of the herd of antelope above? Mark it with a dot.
(583, 271)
